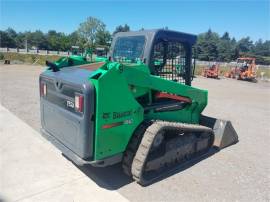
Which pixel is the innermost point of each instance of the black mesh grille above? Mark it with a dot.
(170, 61)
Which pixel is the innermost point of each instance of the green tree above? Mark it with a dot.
(7, 38)
(93, 33)
(53, 39)
(11, 33)
(103, 39)
(245, 45)
(121, 28)
(89, 29)
(207, 46)
(37, 39)
(225, 48)
(74, 39)
(20, 40)
(262, 48)
(235, 50)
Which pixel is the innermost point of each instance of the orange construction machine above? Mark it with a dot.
(245, 69)
(211, 72)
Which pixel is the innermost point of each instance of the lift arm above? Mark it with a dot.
(143, 79)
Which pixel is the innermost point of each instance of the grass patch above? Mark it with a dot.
(223, 69)
(30, 58)
(265, 70)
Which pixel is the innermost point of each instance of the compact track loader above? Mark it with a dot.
(245, 70)
(138, 107)
(211, 72)
(75, 59)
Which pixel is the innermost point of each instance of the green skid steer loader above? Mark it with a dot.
(76, 58)
(137, 107)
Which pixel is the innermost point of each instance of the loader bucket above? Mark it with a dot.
(225, 134)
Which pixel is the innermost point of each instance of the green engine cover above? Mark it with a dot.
(117, 112)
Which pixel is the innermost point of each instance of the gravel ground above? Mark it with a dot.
(237, 173)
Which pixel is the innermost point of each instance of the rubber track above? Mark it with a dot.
(147, 140)
(133, 147)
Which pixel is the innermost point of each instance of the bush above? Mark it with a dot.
(2, 56)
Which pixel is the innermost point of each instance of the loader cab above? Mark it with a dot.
(75, 50)
(167, 53)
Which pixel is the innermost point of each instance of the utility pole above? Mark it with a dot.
(26, 45)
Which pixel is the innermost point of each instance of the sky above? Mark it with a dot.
(240, 18)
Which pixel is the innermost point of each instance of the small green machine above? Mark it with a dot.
(76, 58)
(138, 107)
(101, 54)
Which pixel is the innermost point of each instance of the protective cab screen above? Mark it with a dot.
(170, 61)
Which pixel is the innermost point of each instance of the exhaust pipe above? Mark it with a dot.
(225, 134)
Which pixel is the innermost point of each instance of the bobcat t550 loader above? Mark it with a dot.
(138, 107)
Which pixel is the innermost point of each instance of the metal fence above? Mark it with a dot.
(34, 51)
(66, 53)
(224, 64)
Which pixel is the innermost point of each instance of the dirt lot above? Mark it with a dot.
(238, 173)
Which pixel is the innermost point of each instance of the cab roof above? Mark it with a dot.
(162, 34)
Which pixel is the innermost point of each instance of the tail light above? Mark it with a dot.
(43, 89)
(79, 103)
